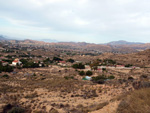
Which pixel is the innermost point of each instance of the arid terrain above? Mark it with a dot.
(64, 78)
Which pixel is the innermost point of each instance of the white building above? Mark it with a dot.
(16, 62)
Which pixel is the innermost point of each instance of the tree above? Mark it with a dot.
(111, 77)
(89, 73)
(57, 59)
(24, 61)
(78, 66)
(6, 68)
(5, 76)
(99, 79)
(70, 60)
(104, 69)
(128, 65)
(81, 73)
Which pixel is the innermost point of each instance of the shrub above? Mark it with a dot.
(81, 73)
(34, 74)
(130, 78)
(68, 77)
(30, 65)
(89, 73)
(53, 111)
(109, 61)
(17, 110)
(5, 76)
(70, 60)
(6, 68)
(143, 76)
(128, 65)
(99, 79)
(104, 69)
(111, 77)
(24, 61)
(137, 102)
(57, 59)
(78, 66)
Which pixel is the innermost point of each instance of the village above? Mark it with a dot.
(60, 83)
(94, 68)
(74, 56)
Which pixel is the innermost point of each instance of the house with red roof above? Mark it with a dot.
(16, 62)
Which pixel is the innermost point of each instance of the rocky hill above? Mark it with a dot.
(113, 47)
(141, 59)
(122, 42)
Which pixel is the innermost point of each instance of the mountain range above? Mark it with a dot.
(114, 46)
(122, 42)
(3, 38)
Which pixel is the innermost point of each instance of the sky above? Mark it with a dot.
(93, 21)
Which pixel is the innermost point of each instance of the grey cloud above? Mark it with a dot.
(108, 18)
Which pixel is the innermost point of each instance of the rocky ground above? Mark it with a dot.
(46, 90)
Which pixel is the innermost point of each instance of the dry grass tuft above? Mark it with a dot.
(137, 102)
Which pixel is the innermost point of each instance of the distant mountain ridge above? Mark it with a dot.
(49, 40)
(123, 42)
(114, 47)
(2, 38)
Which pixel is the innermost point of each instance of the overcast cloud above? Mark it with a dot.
(95, 21)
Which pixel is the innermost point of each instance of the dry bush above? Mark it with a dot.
(32, 95)
(52, 110)
(91, 108)
(137, 102)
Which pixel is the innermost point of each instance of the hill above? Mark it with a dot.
(2, 38)
(113, 47)
(122, 42)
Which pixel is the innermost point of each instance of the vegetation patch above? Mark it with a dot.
(137, 102)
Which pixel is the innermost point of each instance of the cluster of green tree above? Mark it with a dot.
(91, 54)
(109, 61)
(88, 73)
(104, 62)
(68, 77)
(47, 61)
(78, 66)
(6, 68)
(101, 79)
(70, 60)
(57, 59)
(5, 76)
(29, 64)
(8, 60)
(128, 65)
(10, 56)
(8, 51)
(24, 55)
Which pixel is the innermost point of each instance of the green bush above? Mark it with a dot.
(57, 59)
(109, 61)
(104, 69)
(6, 68)
(5, 76)
(89, 73)
(130, 78)
(70, 60)
(137, 102)
(111, 77)
(128, 65)
(81, 73)
(30, 64)
(78, 66)
(34, 74)
(68, 77)
(17, 110)
(99, 79)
